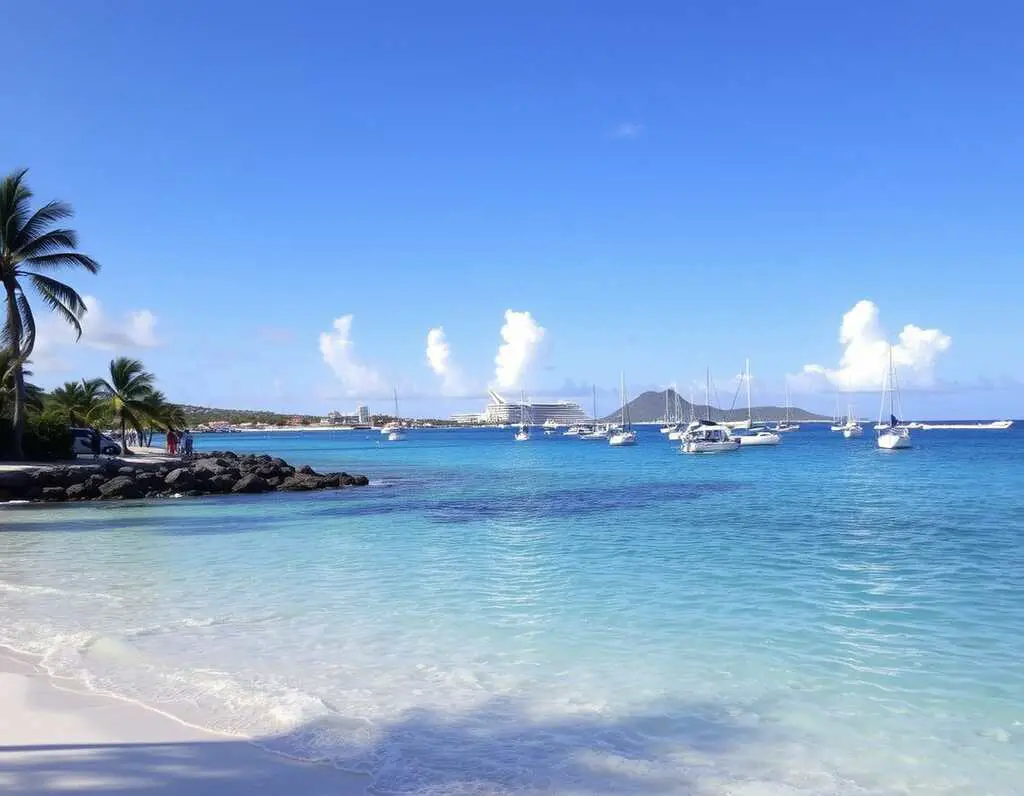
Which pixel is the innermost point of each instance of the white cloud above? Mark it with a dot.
(866, 354)
(336, 347)
(522, 334)
(628, 130)
(135, 329)
(440, 361)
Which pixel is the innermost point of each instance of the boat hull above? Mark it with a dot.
(851, 433)
(623, 439)
(726, 446)
(894, 440)
(755, 440)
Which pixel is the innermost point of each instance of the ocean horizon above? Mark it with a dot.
(561, 617)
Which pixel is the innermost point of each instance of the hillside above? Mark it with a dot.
(649, 407)
(196, 415)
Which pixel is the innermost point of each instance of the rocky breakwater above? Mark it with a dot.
(217, 473)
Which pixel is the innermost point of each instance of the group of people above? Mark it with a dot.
(132, 438)
(179, 442)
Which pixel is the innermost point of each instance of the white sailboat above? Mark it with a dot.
(597, 433)
(705, 436)
(751, 435)
(680, 431)
(671, 418)
(523, 433)
(851, 428)
(786, 425)
(838, 424)
(395, 434)
(892, 435)
(625, 435)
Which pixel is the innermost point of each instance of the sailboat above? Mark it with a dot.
(523, 434)
(671, 418)
(786, 425)
(893, 435)
(705, 436)
(837, 419)
(680, 431)
(598, 433)
(754, 435)
(851, 428)
(395, 434)
(625, 435)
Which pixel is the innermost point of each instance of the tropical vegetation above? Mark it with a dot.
(32, 248)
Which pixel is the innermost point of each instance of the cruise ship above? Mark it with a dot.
(499, 411)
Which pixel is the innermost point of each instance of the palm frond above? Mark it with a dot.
(28, 326)
(62, 299)
(63, 260)
(14, 207)
(53, 241)
(41, 220)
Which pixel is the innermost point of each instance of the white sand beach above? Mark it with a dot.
(54, 740)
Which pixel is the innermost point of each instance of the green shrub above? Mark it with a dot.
(47, 438)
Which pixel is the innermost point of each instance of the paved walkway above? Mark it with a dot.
(139, 456)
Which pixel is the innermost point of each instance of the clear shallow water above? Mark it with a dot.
(564, 617)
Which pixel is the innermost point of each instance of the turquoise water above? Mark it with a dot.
(565, 617)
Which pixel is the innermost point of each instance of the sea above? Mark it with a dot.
(563, 617)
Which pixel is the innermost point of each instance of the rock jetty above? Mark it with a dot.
(217, 473)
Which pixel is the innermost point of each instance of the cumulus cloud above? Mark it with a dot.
(133, 330)
(336, 347)
(521, 335)
(440, 361)
(866, 354)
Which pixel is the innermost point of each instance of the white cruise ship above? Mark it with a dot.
(559, 413)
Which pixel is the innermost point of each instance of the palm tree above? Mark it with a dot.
(80, 401)
(33, 394)
(129, 391)
(31, 246)
(162, 415)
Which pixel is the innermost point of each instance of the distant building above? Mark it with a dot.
(295, 421)
(363, 415)
(467, 418)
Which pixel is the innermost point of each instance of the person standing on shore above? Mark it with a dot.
(188, 441)
(172, 442)
(95, 440)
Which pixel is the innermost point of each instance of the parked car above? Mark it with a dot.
(81, 443)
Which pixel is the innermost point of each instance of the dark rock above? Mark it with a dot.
(15, 480)
(220, 483)
(54, 493)
(360, 480)
(194, 493)
(111, 466)
(331, 481)
(126, 471)
(122, 486)
(300, 482)
(43, 478)
(274, 481)
(251, 484)
(180, 480)
(266, 471)
(307, 470)
(148, 480)
(84, 491)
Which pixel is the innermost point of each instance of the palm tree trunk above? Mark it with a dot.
(124, 439)
(18, 420)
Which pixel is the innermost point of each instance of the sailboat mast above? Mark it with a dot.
(707, 394)
(595, 406)
(750, 419)
(398, 417)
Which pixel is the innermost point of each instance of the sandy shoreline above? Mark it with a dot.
(55, 740)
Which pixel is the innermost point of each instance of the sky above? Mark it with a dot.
(304, 206)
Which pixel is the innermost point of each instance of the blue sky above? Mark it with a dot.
(661, 186)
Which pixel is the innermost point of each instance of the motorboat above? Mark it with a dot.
(757, 436)
(394, 429)
(709, 437)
